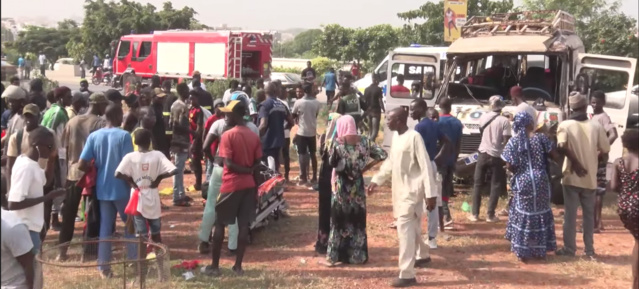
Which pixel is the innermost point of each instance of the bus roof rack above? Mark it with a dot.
(542, 22)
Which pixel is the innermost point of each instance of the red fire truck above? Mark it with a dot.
(177, 53)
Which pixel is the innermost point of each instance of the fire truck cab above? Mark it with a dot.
(177, 54)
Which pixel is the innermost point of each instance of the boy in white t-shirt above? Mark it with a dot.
(26, 196)
(144, 170)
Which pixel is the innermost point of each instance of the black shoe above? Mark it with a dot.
(564, 252)
(421, 263)
(212, 272)
(399, 282)
(204, 248)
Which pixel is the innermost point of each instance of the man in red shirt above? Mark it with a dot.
(355, 70)
(207, 126)
(241, 150)
(399, 89)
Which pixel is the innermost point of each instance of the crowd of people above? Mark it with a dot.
(65, 142)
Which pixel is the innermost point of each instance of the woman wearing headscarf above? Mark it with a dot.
(531, 226)
(347, 241)
(324, 184)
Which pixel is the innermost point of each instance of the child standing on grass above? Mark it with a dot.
(144, 170)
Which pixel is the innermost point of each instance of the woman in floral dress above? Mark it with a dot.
(347, 241)
(325, 190)
(625, 181)
(531, 226)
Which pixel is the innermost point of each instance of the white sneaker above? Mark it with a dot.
(432, 243)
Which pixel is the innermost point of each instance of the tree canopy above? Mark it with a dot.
(300, 46)
(105, 22)
(431, 31)
(49, 41)
(361, 44)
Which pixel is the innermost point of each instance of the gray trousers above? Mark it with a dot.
(573, 197)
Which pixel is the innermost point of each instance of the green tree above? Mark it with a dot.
(368, 45)
(381, 39)
(105, 22)
(169, 18)
(333, 41)
(603, 28)
(300, 47)
(51, 42)
(431, 31)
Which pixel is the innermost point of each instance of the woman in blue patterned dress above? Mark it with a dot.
(531, 226)
(347, 241)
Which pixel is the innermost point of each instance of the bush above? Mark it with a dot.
(287, 69)
(322, 64)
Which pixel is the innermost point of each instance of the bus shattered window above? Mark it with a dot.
(413, 81)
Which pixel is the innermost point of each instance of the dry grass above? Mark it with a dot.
(254, 277)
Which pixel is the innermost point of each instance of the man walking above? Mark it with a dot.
(374, 101)
(330, 84)
(42, 59)
(412, 184)
(305, 111)
(580, 139)
(495, 132)
(75, 137)
(241, 150)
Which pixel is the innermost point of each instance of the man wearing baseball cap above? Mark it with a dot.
(495, 132)
(75, 137)
(580, 140)
(241, 150)
(19, 140)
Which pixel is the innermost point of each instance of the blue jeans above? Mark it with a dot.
(108, 212)
(208, 218)
(178, 179)
(141, 226)
(37, 243)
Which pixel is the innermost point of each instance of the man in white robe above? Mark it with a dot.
(412, 182)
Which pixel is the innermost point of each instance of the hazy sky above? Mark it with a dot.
(256, 14)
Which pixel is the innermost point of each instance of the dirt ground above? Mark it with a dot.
(475, 256)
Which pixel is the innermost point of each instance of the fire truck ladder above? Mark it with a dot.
(235, 54)
(528, 22)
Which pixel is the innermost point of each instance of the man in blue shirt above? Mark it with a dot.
(106, 147)
(330, 84)
(273, 113)
(21, 67)
(431, 135)
(96, 62)
(452, 128)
